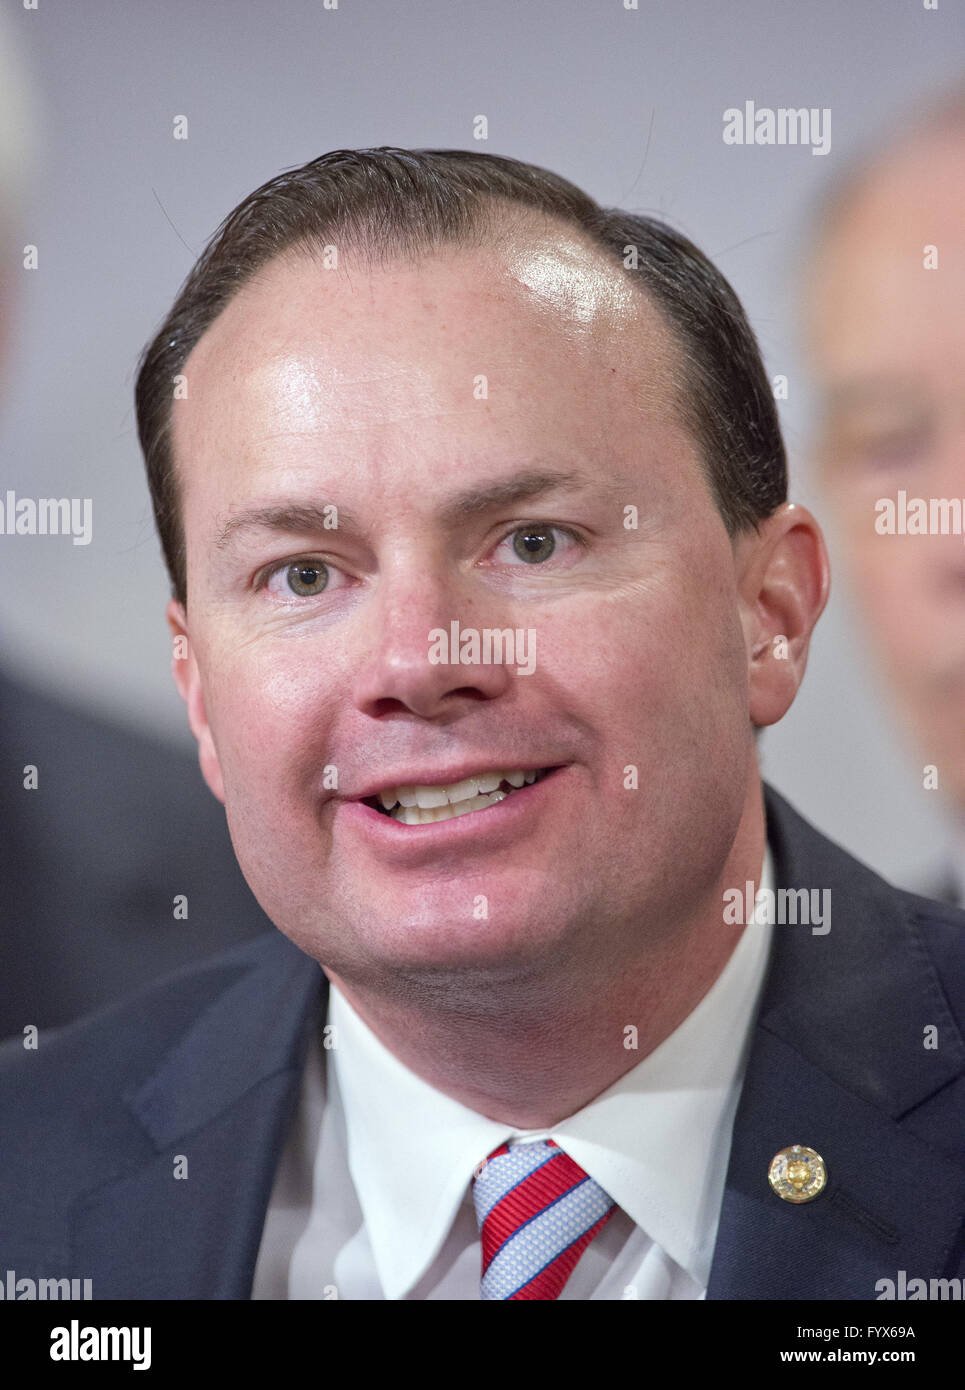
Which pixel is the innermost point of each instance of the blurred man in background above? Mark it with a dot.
(885, 296)
(116, 867)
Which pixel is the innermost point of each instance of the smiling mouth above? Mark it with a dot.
(424, 805)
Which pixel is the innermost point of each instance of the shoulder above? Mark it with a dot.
(91, 1106)
(804, 855)
(112, 1051)
(879, 1000)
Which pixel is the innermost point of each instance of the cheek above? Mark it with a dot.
(658, 668)
(891, 586)
(268, 707)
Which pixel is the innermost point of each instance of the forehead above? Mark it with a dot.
(398, 374)
(872, 304)
(539, 291)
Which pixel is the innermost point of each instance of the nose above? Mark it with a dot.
(411, 663)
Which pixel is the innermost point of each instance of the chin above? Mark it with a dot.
(500, 947)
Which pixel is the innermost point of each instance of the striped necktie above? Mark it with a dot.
(537, 1212)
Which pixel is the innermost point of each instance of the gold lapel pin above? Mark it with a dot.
(797, 1174)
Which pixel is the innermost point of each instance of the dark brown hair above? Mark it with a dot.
(393, 204)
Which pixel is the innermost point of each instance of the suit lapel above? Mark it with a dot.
(891, 1202)
(185, 1219)
(836, 1061)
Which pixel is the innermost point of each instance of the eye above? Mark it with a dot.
(888, 451)
(534, 544)
(878, 443)
(299, 579)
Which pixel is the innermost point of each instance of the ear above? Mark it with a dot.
(187, 678)
(783, 583)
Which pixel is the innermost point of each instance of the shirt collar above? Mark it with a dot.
(657, 1140)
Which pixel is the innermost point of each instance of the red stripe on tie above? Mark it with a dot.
(549, 1282)
(552, 1180)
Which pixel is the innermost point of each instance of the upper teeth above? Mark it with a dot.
(428, 797)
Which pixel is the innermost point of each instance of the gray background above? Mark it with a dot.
(628, 104)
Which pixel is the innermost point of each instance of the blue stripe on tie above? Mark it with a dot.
(561, 1252)
(512, 1269)
(489, 1189)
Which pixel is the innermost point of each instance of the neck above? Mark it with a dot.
(529, 1052)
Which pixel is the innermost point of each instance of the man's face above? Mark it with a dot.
(888, 341)
(416, 399)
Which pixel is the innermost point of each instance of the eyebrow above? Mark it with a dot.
(280, 517)
(522, 487)
(310, 516)
(872, 392)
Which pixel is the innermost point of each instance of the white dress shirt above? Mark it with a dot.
(373, 1194)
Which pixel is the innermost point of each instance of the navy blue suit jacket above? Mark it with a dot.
(91, 860)
(207, 1065)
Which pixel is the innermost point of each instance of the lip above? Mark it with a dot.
(448, 778)
(491, 828)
